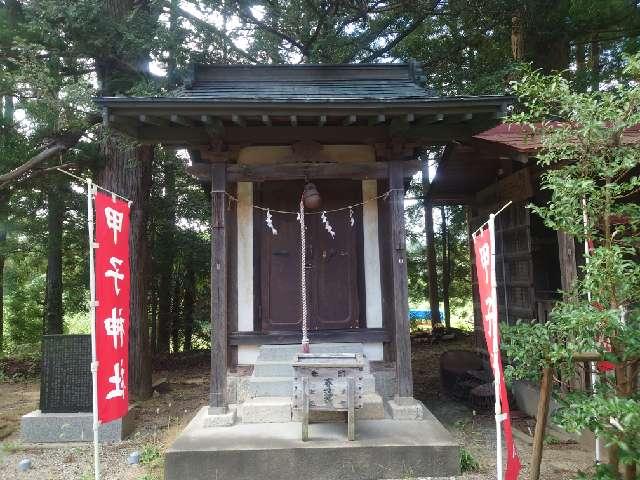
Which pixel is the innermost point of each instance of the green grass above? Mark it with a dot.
(467, 462)
(153, 460)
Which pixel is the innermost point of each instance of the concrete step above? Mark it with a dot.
(269, 387)
(272, 368)
(266, 410)
(287, 352)
(383, 449)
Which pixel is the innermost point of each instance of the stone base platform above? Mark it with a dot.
(383, 449)
(38, 427)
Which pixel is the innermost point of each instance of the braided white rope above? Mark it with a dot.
(384, 195)
(303, 278)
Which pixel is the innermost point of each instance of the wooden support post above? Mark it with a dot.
(404, 378)
(305, 409)
(541, 422)
(218, 383)
(351, 409)
(432, 270)
(567, 258)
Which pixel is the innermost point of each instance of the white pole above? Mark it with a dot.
(94, 363)
(496, 350)
(592, 365)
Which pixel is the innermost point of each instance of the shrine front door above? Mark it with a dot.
(331, 261)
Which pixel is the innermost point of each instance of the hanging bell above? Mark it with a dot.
(311, 197)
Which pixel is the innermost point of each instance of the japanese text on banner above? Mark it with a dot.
(485, 269)
(112, 311)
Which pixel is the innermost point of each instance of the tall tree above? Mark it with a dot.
(127, 170)
(446, 267)
(53, 296)
(166, 253)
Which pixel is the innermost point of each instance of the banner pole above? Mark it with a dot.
(496, 352)
(94, 362)
(592, 365)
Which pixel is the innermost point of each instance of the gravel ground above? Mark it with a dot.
(161, 418)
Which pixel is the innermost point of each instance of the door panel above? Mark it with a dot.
(334, 291)
(280, 254)
(332, 263)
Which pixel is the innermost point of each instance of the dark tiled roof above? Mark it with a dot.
(334, 86)
(307, 91)
(306, 83)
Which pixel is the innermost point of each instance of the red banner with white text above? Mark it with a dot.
(485, 269)
(112, 310)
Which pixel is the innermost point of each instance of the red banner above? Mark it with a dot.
(112, 311)
(485, 270)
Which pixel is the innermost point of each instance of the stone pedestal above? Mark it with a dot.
(38, 427)
(214, 418)
(406, 408)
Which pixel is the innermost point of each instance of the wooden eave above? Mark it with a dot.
(187, 123)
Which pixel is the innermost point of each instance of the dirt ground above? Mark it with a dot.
(161, 418)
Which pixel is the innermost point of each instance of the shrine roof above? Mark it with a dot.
(255, 84)
(378, 99)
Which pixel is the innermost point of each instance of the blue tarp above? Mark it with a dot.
(422, 315)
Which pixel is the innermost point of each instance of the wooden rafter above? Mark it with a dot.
(261, 173)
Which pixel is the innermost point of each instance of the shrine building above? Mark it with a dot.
(258, 137)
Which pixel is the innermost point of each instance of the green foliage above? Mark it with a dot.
(150, 454)
(593, 184)
(467, 462)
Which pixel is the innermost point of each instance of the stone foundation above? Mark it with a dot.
(38, 427)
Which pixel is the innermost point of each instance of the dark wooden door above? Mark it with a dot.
(332, 263)
(334, 260)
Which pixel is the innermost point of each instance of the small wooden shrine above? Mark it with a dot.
(256, 135)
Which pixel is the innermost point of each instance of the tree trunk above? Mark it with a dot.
(176, 325)
(53, 324)
(128, 173)
(594, 63)
(446, 268)
(154, 317)
(432, 272)
(189, 297)
(166, 255)
(4, 207)
(546, 386)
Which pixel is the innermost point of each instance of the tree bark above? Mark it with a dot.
(432, 271)
(594, 63)
(4, 208)
(128, 173)
(446, 268)
(54, 324)
(154, 317)
(189, 298)
(176, 324)
(166, 255)
(541, 422)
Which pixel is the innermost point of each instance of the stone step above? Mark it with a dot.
(287, 352)
(272, 368)
(269, 387)
(266, 410)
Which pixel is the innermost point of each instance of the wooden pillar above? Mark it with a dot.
(432, 270)
(218, 383)
(567, 258)
(404, 378)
